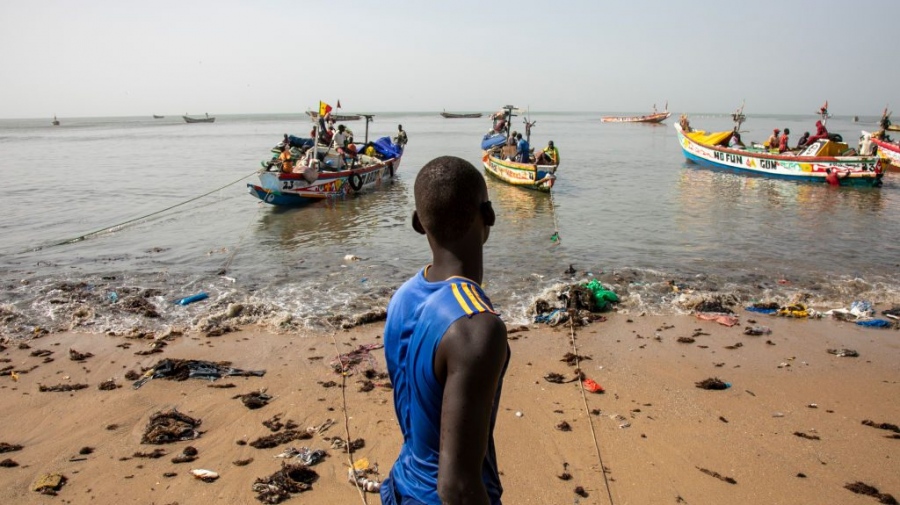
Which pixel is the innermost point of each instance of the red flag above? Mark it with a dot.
(324, 108)
(339, 104)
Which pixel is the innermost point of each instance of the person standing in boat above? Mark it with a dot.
(446, 349)
(523, 150)
(401, 139)
(804, 140)
(783, 141)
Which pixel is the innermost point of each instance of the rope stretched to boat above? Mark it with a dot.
(587, 411)
(119, 225)
(555, 238)
(356, 484)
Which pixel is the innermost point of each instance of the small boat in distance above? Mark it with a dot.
(207, 119)
(655, 117)
(336, 117)
(450, 115)
(160, 117)
(55, 121)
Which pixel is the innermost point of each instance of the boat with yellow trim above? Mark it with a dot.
(812, 163)
(498, 156)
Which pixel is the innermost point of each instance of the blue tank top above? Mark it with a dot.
(418, 315)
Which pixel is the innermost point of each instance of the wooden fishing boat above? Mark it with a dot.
(711, 149)
(292, 189)
(55, 121)
(336, 117)
(889, 152)
(894, 127)
(657, 117)
(450, 115)
(498, 162)
(158, 117)
(207, 119)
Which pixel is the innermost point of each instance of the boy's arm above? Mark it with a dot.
(469, 361)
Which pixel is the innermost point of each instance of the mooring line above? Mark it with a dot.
(119, 225)
(356, 484)
(587, 411)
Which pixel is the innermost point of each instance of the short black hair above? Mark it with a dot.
(449, 192)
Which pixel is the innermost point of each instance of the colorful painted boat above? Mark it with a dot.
(207, 119)
(336, 117)
(450, 115)
(657, 117)
(709, 149)
(293, 189)
(889, 152)
(497, 156)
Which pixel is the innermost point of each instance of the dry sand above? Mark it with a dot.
(654, 428)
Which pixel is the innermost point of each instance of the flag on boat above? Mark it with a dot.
(339, 104)
(324, 108)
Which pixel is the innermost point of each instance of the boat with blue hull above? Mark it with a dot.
(810, 164)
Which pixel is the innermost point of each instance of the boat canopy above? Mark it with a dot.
(708, 139)
(492, 139)
(386, 148)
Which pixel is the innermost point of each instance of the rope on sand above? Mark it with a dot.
(119, 225)
(357, 485)
(587, 411)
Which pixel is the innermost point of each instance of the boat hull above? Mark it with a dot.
(336, 117)
(864, 170)
(199, 120)
(652, 118)
(889, 153)
(523, 175)
(292, 190)
(450, 115)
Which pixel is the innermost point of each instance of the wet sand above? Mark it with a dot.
(654, 428)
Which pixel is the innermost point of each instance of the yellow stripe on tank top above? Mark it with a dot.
(474, 299)
(461, 300)
(487, 306)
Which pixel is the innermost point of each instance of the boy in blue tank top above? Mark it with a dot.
(446, 349)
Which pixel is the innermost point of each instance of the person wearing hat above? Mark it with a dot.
(548, 156)
(821, 133)
(772, 143)
(783, 141)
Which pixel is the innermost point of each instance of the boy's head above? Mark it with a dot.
(451, 197)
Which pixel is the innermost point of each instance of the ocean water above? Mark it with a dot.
(629, 209)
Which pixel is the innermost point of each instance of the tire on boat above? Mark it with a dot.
(835, 137)
(356, 182)
(270, 198)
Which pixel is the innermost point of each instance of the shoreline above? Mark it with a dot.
(673, 429)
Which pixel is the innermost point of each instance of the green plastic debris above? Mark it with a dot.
(602, 296)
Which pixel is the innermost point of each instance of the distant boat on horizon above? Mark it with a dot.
(207, 119)
(158, 117)
(55, 121)
(451, 115)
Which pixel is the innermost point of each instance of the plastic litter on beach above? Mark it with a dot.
(183, 369)
(844, 353)
(203, 295)
(292, 478)
(49, 483)
(713, 383)
(364, 476)
(591, 386)
(204, 475)
(723, 319)
(757, 330)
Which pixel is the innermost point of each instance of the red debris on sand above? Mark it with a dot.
(592, 386)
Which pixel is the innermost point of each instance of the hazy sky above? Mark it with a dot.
(123, 57)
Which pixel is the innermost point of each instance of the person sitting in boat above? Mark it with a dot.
(548, 156)
(685, 123)
(821, 133)
(370, 150)
(523, 150)
(804, 140)
(401, 139)
(772, 141)
(783, 141)
(735, 141)
(286, 159)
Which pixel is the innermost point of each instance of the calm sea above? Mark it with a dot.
(629, 209)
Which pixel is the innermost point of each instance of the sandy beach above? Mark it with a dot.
(661, 439)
